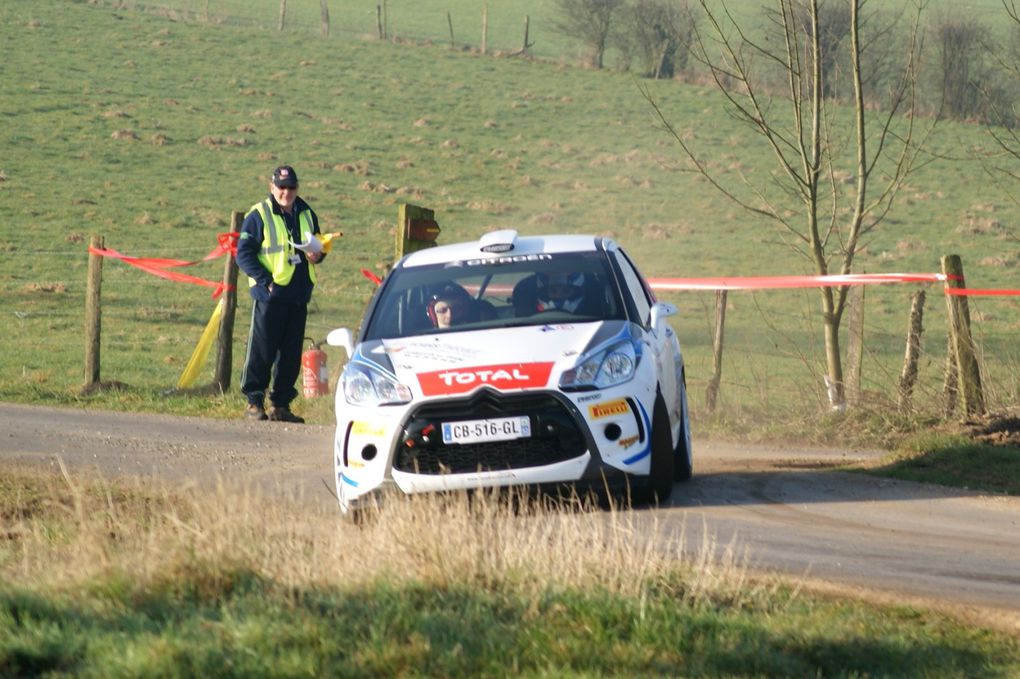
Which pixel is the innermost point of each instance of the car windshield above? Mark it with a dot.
(497, 293)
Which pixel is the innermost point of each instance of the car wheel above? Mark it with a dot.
(684, 462)
(660, 476)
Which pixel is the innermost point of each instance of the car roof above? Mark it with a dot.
(521, 245)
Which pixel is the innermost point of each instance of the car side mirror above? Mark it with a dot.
(341, 337)
(660, 311)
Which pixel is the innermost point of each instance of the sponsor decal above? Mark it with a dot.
(508, 259)
(628, 442)
(592, 397)
(367, 429)
(503, 377)
(617, 407)
(430, 351)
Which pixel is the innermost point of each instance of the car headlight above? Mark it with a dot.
(606, 368)
(367, 386)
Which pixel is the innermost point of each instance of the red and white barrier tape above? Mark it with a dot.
(790, 282)
(158, 266)
(227, 244)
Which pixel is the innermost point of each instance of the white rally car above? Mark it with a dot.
(509, 361)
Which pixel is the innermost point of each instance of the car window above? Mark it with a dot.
(493, 293)
(635, 284)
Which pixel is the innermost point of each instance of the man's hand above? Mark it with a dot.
(314, 257)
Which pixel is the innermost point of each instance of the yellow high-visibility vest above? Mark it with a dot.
(276, 249)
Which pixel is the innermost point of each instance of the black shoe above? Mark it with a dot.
(256, 412)
(283, 414)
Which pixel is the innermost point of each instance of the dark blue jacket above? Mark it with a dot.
(249, 244)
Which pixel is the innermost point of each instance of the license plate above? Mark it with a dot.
(480, 431)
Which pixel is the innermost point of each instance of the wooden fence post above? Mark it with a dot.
(378, 21)
(225, 342)
(963, 350)
(908, 376)
(449, 22)
(93, 313)
(485, 29)
(951, 383)
(324, 15)
(283, 14)
(526, 45)
(712, 392)
(416, 229)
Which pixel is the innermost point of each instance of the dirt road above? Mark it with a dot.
(785, 508)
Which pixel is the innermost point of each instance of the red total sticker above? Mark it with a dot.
(503, 377)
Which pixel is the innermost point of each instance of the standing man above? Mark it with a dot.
(280, 278)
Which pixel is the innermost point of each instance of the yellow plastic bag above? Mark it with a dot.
(201, 352)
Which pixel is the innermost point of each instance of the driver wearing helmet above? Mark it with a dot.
(560, 291)
(449, 307)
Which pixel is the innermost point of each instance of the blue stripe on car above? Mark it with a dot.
(647, 450)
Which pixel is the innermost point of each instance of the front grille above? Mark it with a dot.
(555, 435)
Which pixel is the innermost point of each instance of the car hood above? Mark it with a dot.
(507, 359)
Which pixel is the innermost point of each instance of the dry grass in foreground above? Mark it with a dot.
(61, 531)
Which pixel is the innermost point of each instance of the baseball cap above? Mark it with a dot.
(285, 177)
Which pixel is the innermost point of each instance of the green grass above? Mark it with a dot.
(147, 581)
(150, 131)
(956, 459)
(249, 627)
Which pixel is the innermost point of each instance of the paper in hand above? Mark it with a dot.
(313, 245)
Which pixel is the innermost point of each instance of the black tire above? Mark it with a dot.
(662, 471)
(684, 460)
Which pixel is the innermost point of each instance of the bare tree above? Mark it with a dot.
(658, 34)
(1004, 168)
(589, 21)
(958, 39)
(833, 28)
(838, 168)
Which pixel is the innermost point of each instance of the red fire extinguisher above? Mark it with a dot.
(314, 373)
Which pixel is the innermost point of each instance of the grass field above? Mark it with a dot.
(150, 130)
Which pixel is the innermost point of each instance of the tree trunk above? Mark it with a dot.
(908, 376)
(833, 360)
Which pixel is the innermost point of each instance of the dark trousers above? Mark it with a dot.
(274, 347)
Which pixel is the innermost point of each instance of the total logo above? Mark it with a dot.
(503, 377)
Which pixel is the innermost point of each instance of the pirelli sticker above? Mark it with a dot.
(608, 409)
(359, 428)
